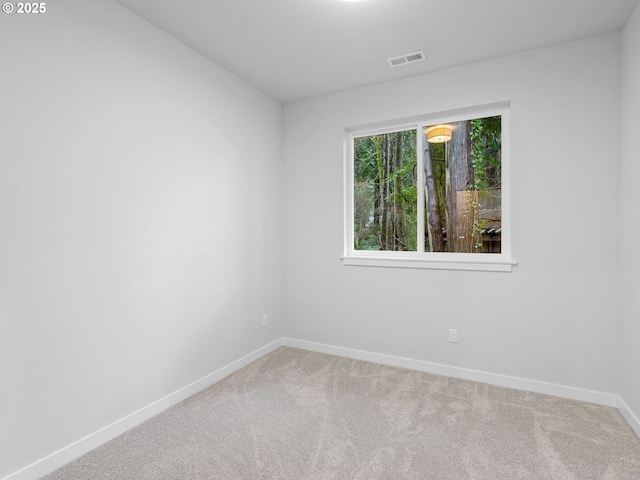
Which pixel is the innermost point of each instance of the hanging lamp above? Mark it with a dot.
(439, 133)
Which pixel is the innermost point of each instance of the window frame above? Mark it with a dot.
(502, 261)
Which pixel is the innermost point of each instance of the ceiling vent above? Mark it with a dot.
(407, 58)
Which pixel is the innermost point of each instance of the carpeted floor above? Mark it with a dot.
(300, 415)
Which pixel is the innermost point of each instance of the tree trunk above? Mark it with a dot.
(434, 222)
(399, 236)
(377, 187)
(459, 180)
(384, 217)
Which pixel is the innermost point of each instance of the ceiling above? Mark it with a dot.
(294, 49)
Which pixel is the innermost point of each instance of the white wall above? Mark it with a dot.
(629, 348)
(140, 214)
(553, 318)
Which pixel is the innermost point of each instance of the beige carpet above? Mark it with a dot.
(295, 414)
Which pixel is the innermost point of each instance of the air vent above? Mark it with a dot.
(407, 58)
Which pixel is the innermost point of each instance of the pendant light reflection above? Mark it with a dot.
(439, 133)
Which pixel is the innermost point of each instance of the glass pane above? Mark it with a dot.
(462, 164)
(385, 194)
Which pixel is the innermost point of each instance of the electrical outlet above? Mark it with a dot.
(265, 320)
(453, 335)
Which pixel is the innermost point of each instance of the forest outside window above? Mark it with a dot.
(430, 193)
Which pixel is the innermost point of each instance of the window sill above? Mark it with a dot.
(486, 265)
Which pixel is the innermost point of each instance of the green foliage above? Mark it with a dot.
(386, 191)
(486, 140)
(385, 206)
(486, 135)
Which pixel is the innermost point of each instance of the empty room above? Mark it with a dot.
(319, 239)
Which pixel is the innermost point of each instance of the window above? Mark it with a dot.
(430, 192)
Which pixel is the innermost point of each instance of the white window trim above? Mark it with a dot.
(502, 262)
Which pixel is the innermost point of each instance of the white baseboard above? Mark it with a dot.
(572, 393)
(63, 456)
(629, 416)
